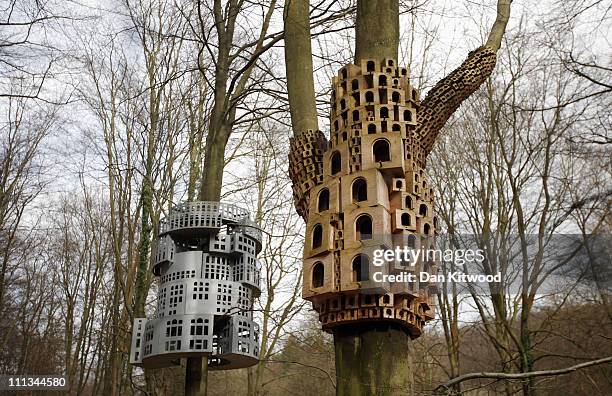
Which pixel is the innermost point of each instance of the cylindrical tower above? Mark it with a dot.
(206, 264)
(373, 195)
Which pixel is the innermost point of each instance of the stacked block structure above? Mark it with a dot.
(370, 193)
(206, 263)
(307, 151)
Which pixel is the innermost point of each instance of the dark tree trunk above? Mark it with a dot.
(373, 359)
(196, 376)
(212, 174)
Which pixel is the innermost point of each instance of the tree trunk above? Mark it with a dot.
(196, 373)
(298, 63)
(212, 174)
(373, 359)
(196, 376)
(111, 374)
(367, 358)
(196, 129)
(376, 30)
(144, 245)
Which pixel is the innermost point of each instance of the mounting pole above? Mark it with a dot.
(196, 376)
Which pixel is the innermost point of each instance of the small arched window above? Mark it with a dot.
(426, 229)
(360, 190)
(384, 112)
(369, 96)
(363, 227)
(355, 85)
(395, 97)
(318, 274)
(414, 94)
(344, 74)
(396, 128)
(408, 202)
(336, 162)
(380, 150)
(423, 210)
(317, 236)
(405, 219)
(342, 104)
(355, 115)
(372, 128)
(399, 184)
(323, 203)
(407, 115)
(360, 268)
(382, 80)
(371, 66)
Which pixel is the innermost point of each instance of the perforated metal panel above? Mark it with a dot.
(208, 275)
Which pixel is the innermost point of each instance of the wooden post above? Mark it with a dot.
(196, 376)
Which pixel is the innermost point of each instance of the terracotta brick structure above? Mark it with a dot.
(306, 157)
(366, 189)
(447, 95)
(357, 191)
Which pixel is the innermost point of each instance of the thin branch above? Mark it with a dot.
(514, 376)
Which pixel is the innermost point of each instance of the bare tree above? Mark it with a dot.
(22, 179)
(377, 36)
(280, 303)
(29, 56)
(513, 187)
(141, 145)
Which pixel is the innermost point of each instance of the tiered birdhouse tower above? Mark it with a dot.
(365, 189)
(208, 277)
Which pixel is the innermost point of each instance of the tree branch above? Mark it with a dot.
(448, 94)
(499, 26)
(517, 376)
